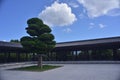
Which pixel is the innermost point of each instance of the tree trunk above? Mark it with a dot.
(40, 61)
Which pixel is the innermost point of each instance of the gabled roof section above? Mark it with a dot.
(10, 44)
(71, 43)
(89, 42)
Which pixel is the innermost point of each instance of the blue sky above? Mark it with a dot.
(70, 20)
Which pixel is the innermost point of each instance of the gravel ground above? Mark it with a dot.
(68, 72)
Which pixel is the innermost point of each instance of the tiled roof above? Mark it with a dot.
(89, 42)
(10, 44)
(71, 43)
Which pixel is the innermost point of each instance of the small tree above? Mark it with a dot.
(40, 39)
(15, 41)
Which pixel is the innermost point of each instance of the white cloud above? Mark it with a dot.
(4, 40)
(96, 8)
(102, 25)
(73, 4)
(68, 30)
(84, 10)
(93, 25)
(58, 14)
(114, 12)
(81, 16)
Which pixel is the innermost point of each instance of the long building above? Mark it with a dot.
(93, 49)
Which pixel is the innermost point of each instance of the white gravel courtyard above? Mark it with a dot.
(68, 72)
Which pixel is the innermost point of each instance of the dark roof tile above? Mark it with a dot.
(10, 44)
(88, 42)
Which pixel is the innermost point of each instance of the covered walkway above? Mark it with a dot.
(93, 49)
(12, 52)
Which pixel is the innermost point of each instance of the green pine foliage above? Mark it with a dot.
(40, 39)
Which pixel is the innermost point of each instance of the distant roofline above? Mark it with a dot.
(89, 40)
(10, 44)
(69, 43)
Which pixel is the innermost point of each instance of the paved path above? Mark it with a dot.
(68, 72)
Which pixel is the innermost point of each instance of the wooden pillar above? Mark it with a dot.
(55, 56)
(90, 54)
(8, 57)
(86, 55)
(5, 57)
(76, 55)
(18, 57)
(94, 54)
(65, 55)
(114, 54)
(72, 55)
